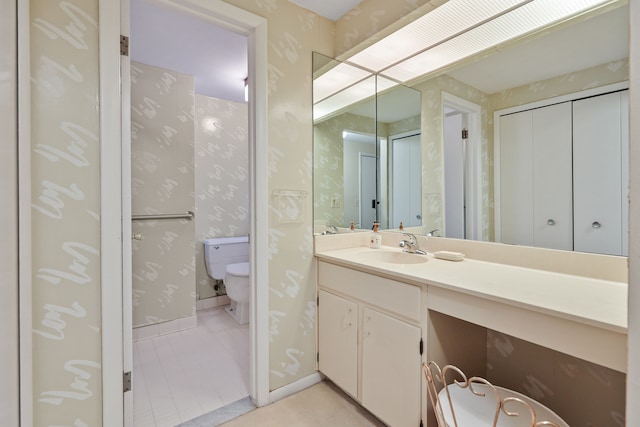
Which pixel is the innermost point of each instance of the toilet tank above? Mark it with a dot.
(221, 251)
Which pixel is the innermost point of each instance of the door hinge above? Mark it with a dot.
(465, 133)
(126, 381)
(421, 346)
(124, 45)
(318, 356)
(318, 300)
(421, 425)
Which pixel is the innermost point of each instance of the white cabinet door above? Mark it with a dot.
(552, 192)
(338, 340)
(597, 174)
(391, 369)
(516, 178)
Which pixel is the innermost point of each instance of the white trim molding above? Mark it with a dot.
(110, 214)
(24, 208)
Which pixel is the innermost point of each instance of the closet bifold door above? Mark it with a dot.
(535, 177)
(516, 178)
(598, 174)
(552, 192)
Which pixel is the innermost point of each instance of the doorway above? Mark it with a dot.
(189, 154)
(254, 28)
(462, 172)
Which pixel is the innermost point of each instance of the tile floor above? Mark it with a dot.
(183, 375)
(321, 405)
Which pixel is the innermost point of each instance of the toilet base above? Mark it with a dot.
(240, 312)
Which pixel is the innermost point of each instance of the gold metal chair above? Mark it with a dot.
(458, 401)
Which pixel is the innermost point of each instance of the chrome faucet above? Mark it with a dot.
(434, 233)
(332, 229)
(411, 245)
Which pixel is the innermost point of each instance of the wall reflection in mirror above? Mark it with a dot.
(367, 151)
(482, 176)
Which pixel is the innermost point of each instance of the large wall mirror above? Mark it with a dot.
(476, 185)
(367, 149)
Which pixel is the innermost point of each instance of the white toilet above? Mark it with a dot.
(227, 258)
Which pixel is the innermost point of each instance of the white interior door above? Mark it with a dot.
(9, 360)
(406, 181)
(367, 188)
(127, 284)
(454, 175)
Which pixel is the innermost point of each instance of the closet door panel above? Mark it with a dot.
(597, 174)
(516, 179)
(552, 192)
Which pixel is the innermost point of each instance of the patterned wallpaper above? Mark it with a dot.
(593, 77)
(162, 181)
(293, 33)
(65, 174)
(222, 178)
(328, 163)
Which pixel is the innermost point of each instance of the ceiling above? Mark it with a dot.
(331, 9)
(595, 41)
(217, 58)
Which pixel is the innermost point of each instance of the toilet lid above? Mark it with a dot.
(239, 269)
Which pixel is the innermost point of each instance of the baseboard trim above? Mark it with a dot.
(294, 387)
(151, 331)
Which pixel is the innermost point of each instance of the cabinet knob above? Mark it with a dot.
(551, 222)
(596, 224)
(136, 236)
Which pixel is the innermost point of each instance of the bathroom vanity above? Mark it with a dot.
(380, 312)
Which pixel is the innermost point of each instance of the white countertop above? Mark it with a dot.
(589, 301)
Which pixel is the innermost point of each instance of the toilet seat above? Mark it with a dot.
(240, 269)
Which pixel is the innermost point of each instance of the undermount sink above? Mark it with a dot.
(392, 257)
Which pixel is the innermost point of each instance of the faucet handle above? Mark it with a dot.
(412, 237)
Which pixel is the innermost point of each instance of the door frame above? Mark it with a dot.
(9, 260)
(115, 183)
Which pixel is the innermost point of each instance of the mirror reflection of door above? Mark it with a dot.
(355, 145)
(368, 167)
(454, 173)
(462, 174)
(406, 180)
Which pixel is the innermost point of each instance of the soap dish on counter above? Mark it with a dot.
(449, 255)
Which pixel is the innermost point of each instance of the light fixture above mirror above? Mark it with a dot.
(462, 28)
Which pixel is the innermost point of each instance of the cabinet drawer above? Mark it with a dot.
(400, 298)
